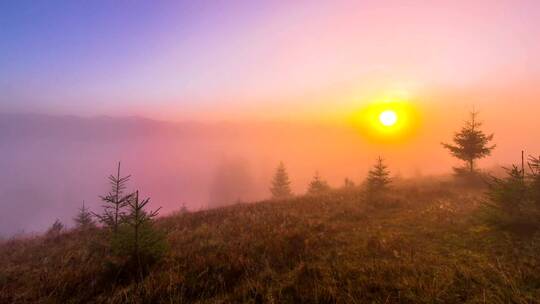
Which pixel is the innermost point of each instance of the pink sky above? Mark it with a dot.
(300, 61)
(316, 60)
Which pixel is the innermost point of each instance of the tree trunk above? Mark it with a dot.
(137, 227)
(117, 199)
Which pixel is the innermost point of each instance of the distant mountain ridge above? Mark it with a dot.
(29, 126)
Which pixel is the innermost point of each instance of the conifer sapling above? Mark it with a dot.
(470, 144)
(115, 201)
(534, 177)
(378, 177)
(348, 183)
(136, 238)
(84, 219)
(317, 185)
(281, 185)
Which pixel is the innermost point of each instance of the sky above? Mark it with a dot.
(249, 60)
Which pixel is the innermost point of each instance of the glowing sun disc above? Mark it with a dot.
(388, 118)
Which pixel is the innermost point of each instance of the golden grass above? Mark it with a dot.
(425, 246)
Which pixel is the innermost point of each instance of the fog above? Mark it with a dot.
(49, 165)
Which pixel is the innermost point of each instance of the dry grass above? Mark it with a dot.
(424, 246)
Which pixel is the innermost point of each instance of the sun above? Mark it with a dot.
(388, 118)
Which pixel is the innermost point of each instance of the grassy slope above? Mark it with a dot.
(334, 248)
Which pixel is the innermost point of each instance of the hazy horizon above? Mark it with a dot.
(53, 163)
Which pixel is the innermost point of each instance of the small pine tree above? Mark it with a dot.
(136, 238)
(184, 209)
(84, 219)
(317, 185)
(471, 144)
(534, 177)
(281, 185)
(348, 183)
(378, 177)
(507, 198)
(56, 229)
(115, 201)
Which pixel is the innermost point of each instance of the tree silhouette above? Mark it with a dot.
(136, 237)
(84, 219)
(470, 144)
(184, 209)
(348, 183)
(510, 205)
(231, 183)
(534, 177)
(55, 230)
(115, 201)
(317, 185)
(378, 177)
(281, 185)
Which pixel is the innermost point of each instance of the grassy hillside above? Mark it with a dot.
(425, 245)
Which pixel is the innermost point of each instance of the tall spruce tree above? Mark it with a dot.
(378, 177)
(317, 185)
(281, 185)
(470, 144)
(84, 219)
(115, 201)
